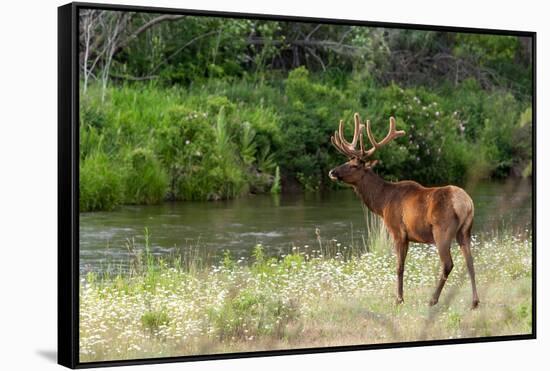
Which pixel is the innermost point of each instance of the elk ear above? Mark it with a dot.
(370, 164)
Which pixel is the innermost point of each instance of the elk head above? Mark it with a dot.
(352, 171)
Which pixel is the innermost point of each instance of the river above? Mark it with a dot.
(277, 222)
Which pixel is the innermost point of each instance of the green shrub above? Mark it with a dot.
(506, 137)
(310, 116)
(208, 164)
(435, 149)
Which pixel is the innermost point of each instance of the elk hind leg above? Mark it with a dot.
(443, 239)
(464, 240)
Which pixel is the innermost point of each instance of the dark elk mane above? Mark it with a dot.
(373, 191)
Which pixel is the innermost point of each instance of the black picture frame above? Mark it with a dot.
(68, 186)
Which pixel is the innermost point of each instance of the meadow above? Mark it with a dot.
(313, 296)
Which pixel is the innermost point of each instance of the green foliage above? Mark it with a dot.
(276, 187)
(263, 265)
(453, 320)
(226, 171)
(179, 145)
(152, 320)
(293, 261)
(313, 111)
(145, 180)
(525, 311)
(248, 146)
(507, 135)
(524, 152)
(258, 254)
(228, 262)
(434, 150)
(201, 156)
(250, 314)
(378, 239)
(100, 184)
(224, 139)
(503, 56)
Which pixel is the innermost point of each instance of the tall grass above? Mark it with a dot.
(313, 296)
(276, 187)
(378, 239)
(101, 186)
(173, 144)
(145, 180)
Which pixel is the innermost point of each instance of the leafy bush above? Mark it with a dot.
(433, 150)
(181, 144)
(498, 137)
(313, 110)
(201, 155)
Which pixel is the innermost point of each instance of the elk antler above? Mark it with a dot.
(349, 150)
(392, 134)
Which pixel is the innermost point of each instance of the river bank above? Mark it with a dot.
(311, 297)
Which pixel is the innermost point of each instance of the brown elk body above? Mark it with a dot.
(411, 212)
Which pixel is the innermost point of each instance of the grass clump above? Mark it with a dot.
(101, 185)
(154, 320)
(145, 181)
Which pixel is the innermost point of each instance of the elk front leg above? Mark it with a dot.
(401, 249)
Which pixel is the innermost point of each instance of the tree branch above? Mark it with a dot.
(132, 78)
(153, 22)
(181, 48)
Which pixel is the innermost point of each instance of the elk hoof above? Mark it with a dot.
(475, 304)
(399, 301)
(433, 302)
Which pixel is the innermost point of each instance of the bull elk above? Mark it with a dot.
(411, 212)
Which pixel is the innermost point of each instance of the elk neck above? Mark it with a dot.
(373, 191)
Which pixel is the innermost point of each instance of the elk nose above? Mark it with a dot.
(331, 175)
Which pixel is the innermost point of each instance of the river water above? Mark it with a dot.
(277, 222)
